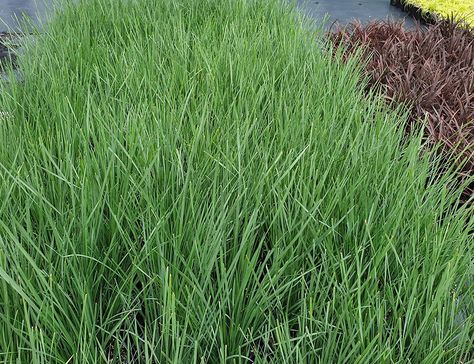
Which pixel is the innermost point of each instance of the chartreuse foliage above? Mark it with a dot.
(457, 9)
(201, 182)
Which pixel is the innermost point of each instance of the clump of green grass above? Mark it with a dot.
(201, 182)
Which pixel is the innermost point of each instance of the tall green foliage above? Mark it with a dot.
(201, 182)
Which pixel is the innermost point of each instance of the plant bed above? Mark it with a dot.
(432, 11)
(432, 71)
(197, 182)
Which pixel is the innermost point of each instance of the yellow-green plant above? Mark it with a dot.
(458, 9)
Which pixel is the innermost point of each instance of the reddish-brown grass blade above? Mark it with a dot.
(431, 69)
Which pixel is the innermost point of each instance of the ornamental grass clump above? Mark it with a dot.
(430, 69)
(203, 182)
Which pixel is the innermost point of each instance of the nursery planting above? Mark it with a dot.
(211, 182)
(432, 71)
(458, 10)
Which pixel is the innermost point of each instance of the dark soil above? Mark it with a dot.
(7, 49)
(346, 11)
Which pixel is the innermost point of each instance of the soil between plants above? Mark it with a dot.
(7, 48)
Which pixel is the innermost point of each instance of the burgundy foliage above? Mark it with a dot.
(432, 69)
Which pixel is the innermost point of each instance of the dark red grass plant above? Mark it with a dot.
(432, 69)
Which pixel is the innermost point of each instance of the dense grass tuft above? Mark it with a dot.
(200, 182)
